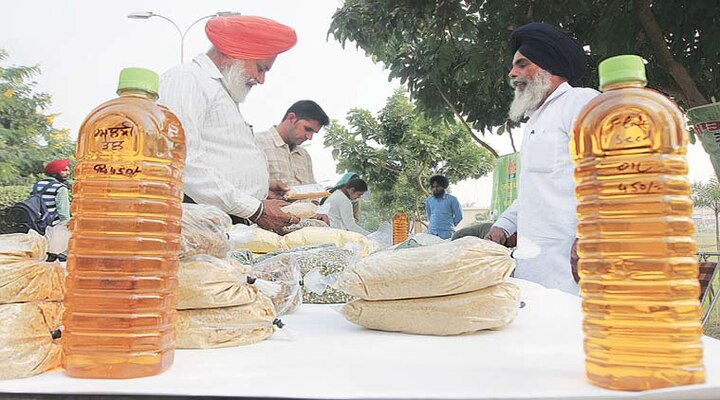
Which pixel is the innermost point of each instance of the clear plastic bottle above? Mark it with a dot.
(123, 252)
(638, 266)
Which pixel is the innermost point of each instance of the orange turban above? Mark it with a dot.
(248, 37)
(56, 166)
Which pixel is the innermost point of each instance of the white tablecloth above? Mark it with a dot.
(539, 355)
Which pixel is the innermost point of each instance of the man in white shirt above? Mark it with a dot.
(545, 60)
(225, 167)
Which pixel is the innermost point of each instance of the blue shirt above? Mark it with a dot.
(443, 214)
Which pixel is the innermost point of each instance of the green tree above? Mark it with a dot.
(708, 195)
(27, 136)
(454, 57)
(397, 152)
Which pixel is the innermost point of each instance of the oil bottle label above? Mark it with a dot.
(117, 138)
(626, 130)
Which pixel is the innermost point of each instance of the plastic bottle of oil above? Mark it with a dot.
(400, 227)
(637, 264)
(123, 252)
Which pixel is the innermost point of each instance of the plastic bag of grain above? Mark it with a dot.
(281, 268)
(313, 236)
(301, 209)
(22, 246)
(30, 338)
(255, 239)
(207, 282)
(226, 326)
(490, 308)
(325, 260)
(31, 280)
(460, 266)
(303, 223)
(204, 231)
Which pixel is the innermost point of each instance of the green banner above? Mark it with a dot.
(705, 122)
(505, 183)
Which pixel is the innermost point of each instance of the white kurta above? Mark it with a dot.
(544, 211)
(225, 167)
(338, 208)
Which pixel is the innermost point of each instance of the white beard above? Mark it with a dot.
(236, 82)
(529, 98)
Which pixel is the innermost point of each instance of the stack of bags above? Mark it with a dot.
(31, 294)
(445, 289)
(217, 306)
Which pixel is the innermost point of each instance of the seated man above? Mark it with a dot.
(481, 230)
(287, 161)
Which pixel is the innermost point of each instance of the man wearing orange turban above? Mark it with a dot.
(225, 167)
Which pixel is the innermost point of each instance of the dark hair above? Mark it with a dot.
(308, 110)
(440, 180)
(357, 184)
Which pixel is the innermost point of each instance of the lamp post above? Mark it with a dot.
(150, 14)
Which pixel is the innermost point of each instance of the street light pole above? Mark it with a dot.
(150, 14)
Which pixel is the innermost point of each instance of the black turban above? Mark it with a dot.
(551, 49)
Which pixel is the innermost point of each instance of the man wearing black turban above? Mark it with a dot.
(546, 61)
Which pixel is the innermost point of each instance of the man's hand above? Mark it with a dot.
(574, 258)
(322, 217)
(273, 218)
(277, 190)
(497, 235)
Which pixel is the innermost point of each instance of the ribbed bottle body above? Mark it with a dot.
(637, 265)
(123, 252)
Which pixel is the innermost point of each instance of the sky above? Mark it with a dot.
(81, 46)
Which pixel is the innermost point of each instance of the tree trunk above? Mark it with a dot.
(657, 42)
(472, 134)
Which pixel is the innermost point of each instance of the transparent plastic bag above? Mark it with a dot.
(208, 282)
(316, 264)
(301, 209)
(31, 280)
(204, 231)
(460, 266)
(382, 238)
(30, 338)
(226, 326)
(58, 237)
(303, 223)
(490, 308)
(255, 239)
(23, 246)
(281, 269)
(243, 256)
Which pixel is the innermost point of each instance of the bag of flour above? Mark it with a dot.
(30, 338)
(490, 308)
(208, 282)
(460, 266)
(226, 326)
(204, 231)
(31, 280)
(22, 246)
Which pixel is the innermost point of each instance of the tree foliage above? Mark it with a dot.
(459, 49)
(397, 152)
(708, 195)
(28, 139)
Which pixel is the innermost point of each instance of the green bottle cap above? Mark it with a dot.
(625, 68)
(138, 78)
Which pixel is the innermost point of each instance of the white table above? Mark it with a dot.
(538, 356)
